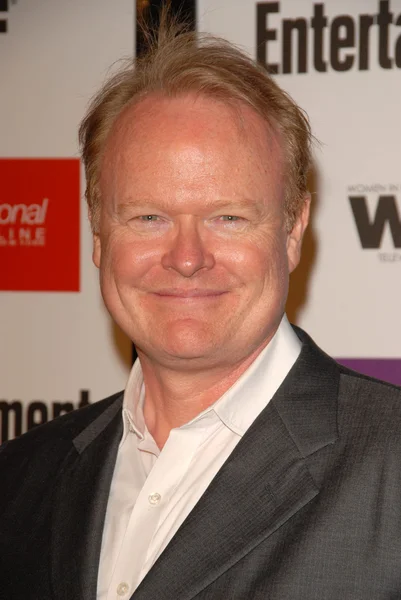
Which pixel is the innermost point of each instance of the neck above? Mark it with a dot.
(174, 397)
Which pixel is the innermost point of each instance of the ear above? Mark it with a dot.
(96, 246)
(295, 236)
(96, 251)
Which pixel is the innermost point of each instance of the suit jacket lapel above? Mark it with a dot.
(261, 485)
(80, 503)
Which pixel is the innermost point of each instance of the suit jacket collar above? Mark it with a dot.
(79, 507)
(307, 399)
(262, 484)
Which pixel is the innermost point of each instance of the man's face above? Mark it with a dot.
(192, 248)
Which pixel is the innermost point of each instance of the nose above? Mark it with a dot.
(187, 253)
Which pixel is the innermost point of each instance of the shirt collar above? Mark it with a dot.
(250, 394)
(241, 404)
(133, 419)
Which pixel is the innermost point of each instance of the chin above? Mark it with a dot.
(187, 340)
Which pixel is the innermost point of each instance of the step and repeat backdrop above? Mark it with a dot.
(339, 60)
(58, 347)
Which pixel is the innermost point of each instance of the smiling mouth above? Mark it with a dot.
(189, 294)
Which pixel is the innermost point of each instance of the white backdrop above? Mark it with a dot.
(56, 346)
(352, 305)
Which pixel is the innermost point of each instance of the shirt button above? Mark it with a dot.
(154, 498)
(122, 588)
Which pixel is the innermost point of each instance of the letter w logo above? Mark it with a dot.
(371, 231)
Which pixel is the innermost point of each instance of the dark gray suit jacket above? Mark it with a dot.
(308, 505)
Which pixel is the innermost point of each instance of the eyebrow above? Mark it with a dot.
(212, 205)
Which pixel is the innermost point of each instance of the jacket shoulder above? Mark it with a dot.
(367, 398)
(60, 431)
(366, 381)
(346, 374)
(30, 464)
(376, 400)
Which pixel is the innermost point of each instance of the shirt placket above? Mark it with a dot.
(140, 545)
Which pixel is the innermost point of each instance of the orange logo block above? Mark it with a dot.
(39, 224)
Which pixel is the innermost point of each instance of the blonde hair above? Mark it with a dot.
(178, 62)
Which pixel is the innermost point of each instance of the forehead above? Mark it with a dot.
(160, 142)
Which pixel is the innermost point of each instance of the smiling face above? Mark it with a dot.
(192, 248)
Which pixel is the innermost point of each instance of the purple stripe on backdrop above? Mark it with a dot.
(388, 369)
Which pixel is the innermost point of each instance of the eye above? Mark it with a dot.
(148, 224)
(147, 221)
(148, 218)
(229, 218)
(228, 223)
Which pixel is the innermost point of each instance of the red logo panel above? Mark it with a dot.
(39, 225)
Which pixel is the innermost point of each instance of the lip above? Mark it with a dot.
(189, 294)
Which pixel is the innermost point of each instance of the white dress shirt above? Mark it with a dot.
(152, 490)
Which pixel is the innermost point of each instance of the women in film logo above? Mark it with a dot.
(39, 224)
(376, 209)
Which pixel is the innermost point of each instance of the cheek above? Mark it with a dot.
(263, 262)
(127, 261)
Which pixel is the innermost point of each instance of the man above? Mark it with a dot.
(241, 461)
